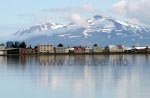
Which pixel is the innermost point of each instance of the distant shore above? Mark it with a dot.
(75, 54)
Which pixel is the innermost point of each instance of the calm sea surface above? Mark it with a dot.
(78, 76)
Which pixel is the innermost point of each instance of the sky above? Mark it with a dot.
(18, 14)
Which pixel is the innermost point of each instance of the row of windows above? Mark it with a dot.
(46, 46)
(46, 50)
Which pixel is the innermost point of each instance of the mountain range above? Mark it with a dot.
(101, 30)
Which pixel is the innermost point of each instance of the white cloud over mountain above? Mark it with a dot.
(79, 9)
(74, 14)
(80, 21)
(136, 11)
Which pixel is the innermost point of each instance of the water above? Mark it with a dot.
(79, 76)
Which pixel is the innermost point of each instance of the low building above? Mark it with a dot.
(71, 50)
(130, 50)
(66, 50)
(2, 47)
(136, 49)
(27, 51)
(115, 48)
(141, 49)
(45, 49)
(13, 51)
(97, 49)
(79, 50)
(148, 49)
(3, 50)
(9, 51)
(9, 44)
(17, 43)
(88, 50)
(60, 50)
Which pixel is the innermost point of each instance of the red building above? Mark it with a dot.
(27, 51)
(79, 50)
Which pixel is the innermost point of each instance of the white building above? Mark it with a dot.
(148, 49)
(66, 50)
(60, 49)
(115, 48)
(139, 48)
(2, 47)
(88, 50)
(3, 50)
(97, 49)
(71, 50)
(45, 48)
(128, 48)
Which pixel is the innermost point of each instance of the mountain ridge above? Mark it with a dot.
(101, 30)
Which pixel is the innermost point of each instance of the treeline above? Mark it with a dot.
(21, 45)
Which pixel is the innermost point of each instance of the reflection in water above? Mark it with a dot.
(82, 60)
(75, 76)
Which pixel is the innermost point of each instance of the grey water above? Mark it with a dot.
(75, 76)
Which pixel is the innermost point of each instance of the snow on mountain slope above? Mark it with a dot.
(40, 27)
(101, 30)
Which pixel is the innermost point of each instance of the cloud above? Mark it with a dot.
(73, 14)
(77, 19)
(79, 9)
(134, 10)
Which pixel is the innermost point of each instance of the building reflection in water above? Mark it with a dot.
(33, 62)
(46, 60)
(82, 60)
(83, 76)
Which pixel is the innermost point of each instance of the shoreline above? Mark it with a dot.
(76, 54)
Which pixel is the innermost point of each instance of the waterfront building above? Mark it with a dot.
(17, 43)
(148, 49)
(9, 44)
(79, 50)
(136, 49)
(141, 49)
(2, 50)
(71, 50)
(66, 50)
(115, 48)
(97, 49)
(130, 50)
(2, 47)
(88, 50)
(45, 49)
(13, 51)
(60, 50)
(27, 51)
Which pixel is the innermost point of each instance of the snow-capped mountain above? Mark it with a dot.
(40, 27)
(101, 30)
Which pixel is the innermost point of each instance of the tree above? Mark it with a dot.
(2, 44)
(95, 45)
(35, 47)
(30, 47)
(23, 45)
(60, 45)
